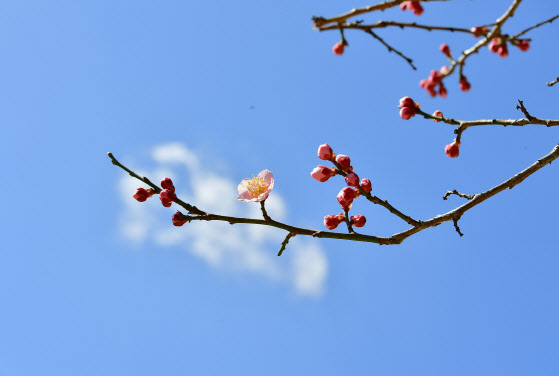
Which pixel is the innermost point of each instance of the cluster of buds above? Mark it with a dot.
(435, 79)
(408, 108)
(478, 31)
(437, 113)
(414, 6)
(499, 46)
(167, 194)
(342, 166)
(332, 221)
(339, 47)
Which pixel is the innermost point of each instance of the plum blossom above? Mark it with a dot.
(256, 189)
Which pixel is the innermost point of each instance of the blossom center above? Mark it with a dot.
(256, 186)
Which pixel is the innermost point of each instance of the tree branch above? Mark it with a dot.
(398, 238)
(320, 21)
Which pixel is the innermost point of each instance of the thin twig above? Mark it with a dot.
(390, 48)
(264, 213)
(455, 192)
(285, 241)
(401, 25)
(535, 26)
(455, 220)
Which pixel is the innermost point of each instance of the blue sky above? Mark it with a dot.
(94, 283)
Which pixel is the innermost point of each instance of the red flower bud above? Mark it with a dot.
(442, 90)
(358, 220)
(406, 102)
(325, 152)
(338, 48)
(416, 8)
(179, 219)
(352, 179)
(143, 194)
(167, 197)
(437, 114)
(445, 49)
(346, 196)
(494, 44)
(366, 185)
(502, 50)
(332, 221)
(464, 84)
(452, 150)
(167, 184)
(523, 45)
(407, 112)
(322, 173)
(343, 161)
(478, 31)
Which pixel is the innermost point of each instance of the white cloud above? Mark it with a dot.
(240, 247)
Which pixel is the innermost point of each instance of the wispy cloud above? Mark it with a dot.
(242, 248)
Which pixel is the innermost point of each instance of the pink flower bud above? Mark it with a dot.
(443, 69)
(358, 220)
(406, 102)
(478, 31)
(143, 194)
(167, 197)
(452, 150)
(523, 45)
(464, 84)
(503, 51)
(494, 44)
(343, 161)
(332, 221)
(179, 219)
(435, 77)
(407, 112)
(346, 196)
(322, 173)
(442, 90)
(404, 5)
(338, 48)
(352, 179)
(167, 184)
(445, 49)
(366, 185)
(437, 114)
(416, 8)
(325, 152)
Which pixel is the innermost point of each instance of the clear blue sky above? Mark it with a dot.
(94, 283)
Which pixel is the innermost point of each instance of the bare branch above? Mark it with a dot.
(553, 82)
(455, 192)
(534, 27)
(285, 241)
(401, 25)
(390, 48)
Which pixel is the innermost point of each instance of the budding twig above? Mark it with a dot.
(320, 21)
(465, 124)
